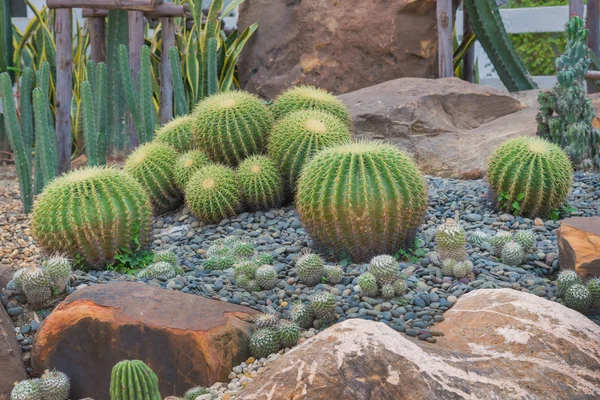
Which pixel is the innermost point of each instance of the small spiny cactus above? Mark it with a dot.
(133, 380)
(388, 292)
(193, 393)
(477, 238)
(260, 182)
(161, 268)
(512, 254)
(266, 277)
(334, 274)
(264, 342)
(448, 267)
(400, 287)
(593, 287)
(288, 333)
(385, 269)
(323, 305)
(177, 133)
(219, 263)
(166, 256)
(310, 267)
(565, 280)
(59, 269)
(578, 297)
(266, 320)
(36, 285)
(247, 268)
(187, 164)
(243, 250)
(368, 285)
(498, 242)
(27, 390)
(302, 314)
(247, 283)
(55, 385)
(451, 240)
(462, 269)
(526, 238)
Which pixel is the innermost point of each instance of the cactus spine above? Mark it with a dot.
(55, 385)
(302, 315)
(384, 268)
(451, 241)
(177, 133)
(35, 283)
(264, 342)
(334, 274)
(181, 103)
(310, 268)
(368, 285)
(94, 106)
(565, 280)
(27, 390)
(578, 297)
(477, 238)
(261, 184)
(187, 164)
(59, 270)
(323, 305)
(513, 254)
(288, 333)
(133, 380)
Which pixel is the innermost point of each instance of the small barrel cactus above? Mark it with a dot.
(334, 274)
(565, 280)
(477, 238)
(264, 342)
(323, 305)
(448, 267)
(243, 250)
(368, 284)
(133, 380)
(166, 256)
(385, 269)
(400, 287)
(310, 98)
(231, 126)
(288, 333)
(177, 133)
(223, 246)
(213, 194)
(59, 270)
(194, 392)
(27, 390)
(18, 278)
(378, 208)
(161, 268)
(266, 320)
(247, 283)
(187, 164)
(388, 292)
(498, 241)
(451, 240)
(531, 172)
(266, 277)
(153, 166)
(526, 238)
(247, 268)
(264, 258)
(219, 263)
(512, 254)
(578, 297)
(260, 182)
(93, 213)
(310, 268)
(36, 285)
(302, 315)
(462, 269)
(55, 385)
(593, 287)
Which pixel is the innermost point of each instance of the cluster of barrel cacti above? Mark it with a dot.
(382, 278)
(577, 294)
(53, 385)
(272, 334)
(133, 380)
(40, 284)
(512, 248)
(165, 264)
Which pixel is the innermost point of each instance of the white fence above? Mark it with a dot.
(520, 20)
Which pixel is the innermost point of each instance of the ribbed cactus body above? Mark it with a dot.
(264, 342)
(513, 254)
(59, 269)
(477, 238)
(261, 184)
(243, 250)
(187, 164)
(248, 268)
(36, 285)
(27, 390)
(323, 305)
(593, 287)
(266, 320)
(565, 280)
(310, 268)
(213, 193)
(451, 240)
(232, 126)
(193, 393)
(133, 380)
(400, 287)
(153, 166)
(266, 277)
(219, 263)
(462, 269)
(531, 172)
(92, 213)
(448, 267)
(295, 139)
(384, 268)
(177, 133)
(368, 285)
(578, 297)
(526, 239)
(302, 315)
(288, 333)
(310, 98)
(161, 268)
(498, 241)
(334, 274)
(366, 198)
(388, 292)
(55, 385)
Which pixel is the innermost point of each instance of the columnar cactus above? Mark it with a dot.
(378, 208)
(177, 133)
(384, 268)
(578, 297)
(477, 238)
(59, 269)
(261, 184)
(530, 176)
(55, 385)
(323, 305)
(264, 342)
(232, 126)
(133, 380)
(36, 285)
(368, 285)
(334, 274)
(153, 166)
(302, 315)
(288, 333)
(565, 280)
(310, 268)
(513, 254)
(498, 242)
(93, 213)
(27, 390)
(187, 164)
(462, 269)
(266, 277)
(451, 240)
(526, 238)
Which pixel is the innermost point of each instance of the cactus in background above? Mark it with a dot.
(94, 105)
(113, 215)
(451, 240)
(462, 269)
(36, 285)
(160, 268)
(263, 342)
(232, 126)
(530, 175)
(27, 390)
(133, 380)
(195, 392)
(55, 385)
(566, 113)
(45, 138)
(593, 287)
(388, 292)
(334, 274)
(59, 270)
(187, 164)
(213, 193)
(261, 184)
(400, 287)
(165, 256)
(498, 242)
(299, 136)
(177, 133)
(323, 305)
(288, 333)
(385, 269)
(26, 109)
(243, 250)
(565, 280)
(302, 315)
(376, 211)
(513, 254)
(477, 238)
(181, 103)
(265, 258)
(448, 267)
(526, 238)
(6, 37)
(310, 98)
(152, 165)
(489, 30)
(578, 297)
(310, 268)
(368, 285)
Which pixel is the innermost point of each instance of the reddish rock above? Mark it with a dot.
(578, 242)
(6, 273)
(11, 364)
(186, 340)
(498, 344)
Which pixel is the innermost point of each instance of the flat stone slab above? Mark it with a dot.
(578, 240)
(11, 364)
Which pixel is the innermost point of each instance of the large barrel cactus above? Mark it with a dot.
(177, 133)
(133, 380)
(529, 176)
(366, 198)
(153, 166)
(232, 126)
(92, 213)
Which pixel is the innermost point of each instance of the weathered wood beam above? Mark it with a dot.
(163, 10)
(593, 24)
(166, 78)
(97, 27)
(126, 5)
(136, 41)
(64, 85)
(444, 27)
(576, 8)
(593, 75)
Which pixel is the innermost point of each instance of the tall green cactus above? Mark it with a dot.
(25, 106)
(181, 103)
(101, 110)
(45, 140)
(489, 30)
(94, 104)
(6, 37)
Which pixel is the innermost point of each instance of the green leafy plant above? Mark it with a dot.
(412, 254)
(130, 262)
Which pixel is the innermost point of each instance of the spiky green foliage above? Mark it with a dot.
(448, 267)
(27, 390)
(513, 254)
(578, 297)
(310, 268)
(195, 392)
(489, 30)
(288, 333)
(451, 240)
(161, 268)
(232, 126)
(93, 108)
(366, 198)
(219, 263)
(462, 269)
(266, 320)
(530, 175)
(368, 285)
(223, 246)
(310, 98)
(526, 238)
(177, 133)
(55, 385)
(93, 213)
(59, 269)
(388, 292)
(264, 342)
(18, 278)
(213, 194)
(323, 305)
(477, 238)
(498, 241)
(243, 250)
(385, 269)
(400, 287)
(247, 283)
(334, 273)
(565, 280)
(295, 139)
(593, 287)
(265, 258)
(153, 166)
(165, 256)
(247, 268)
(302, 315)
(36, 285)
(133, 380)
(261, 184)
(266, 277)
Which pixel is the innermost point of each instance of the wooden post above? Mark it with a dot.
(64, 85)
(593, 40)
(576, 8)
(444, 27)
(136, 41)
(97, 28)
(469, 60)
(166, 79)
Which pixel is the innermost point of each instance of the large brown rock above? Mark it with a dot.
(338, 45)
(186, 340)
(6, 273)
(498, 344)
(11, 364)
(578, 242)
